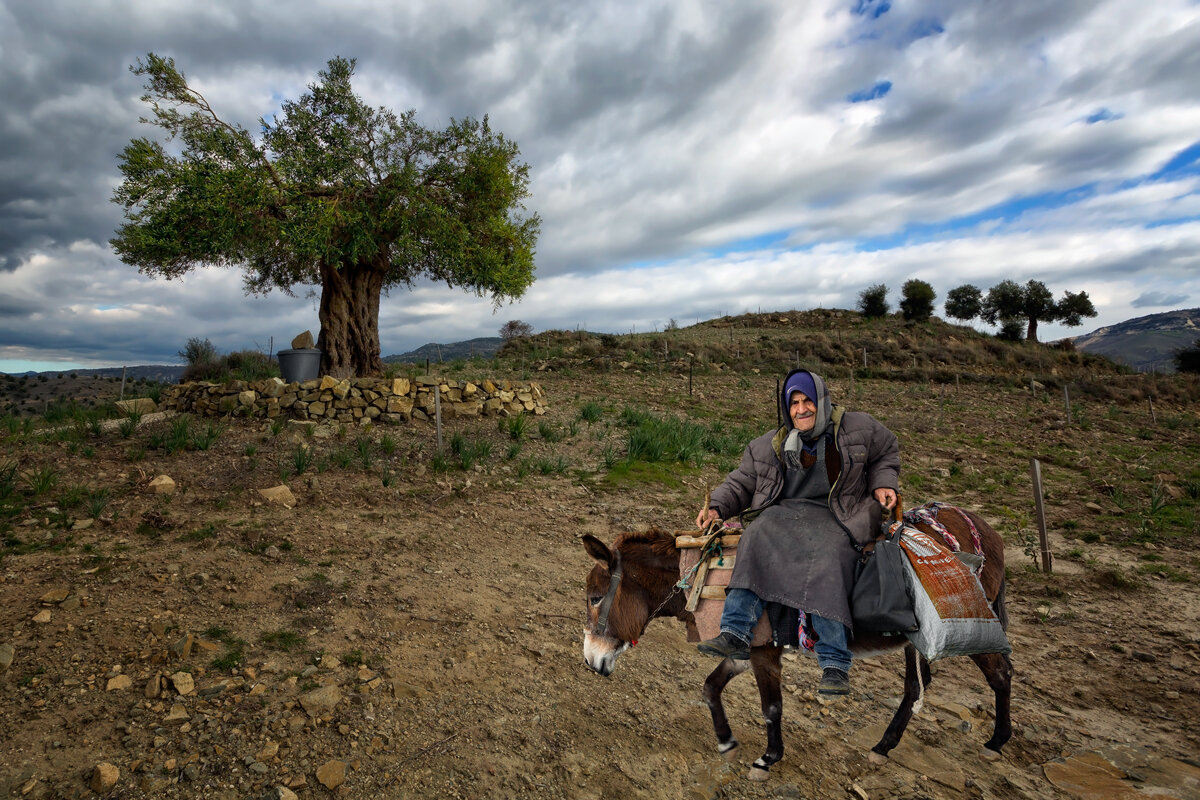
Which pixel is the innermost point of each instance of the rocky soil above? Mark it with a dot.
(397, 626)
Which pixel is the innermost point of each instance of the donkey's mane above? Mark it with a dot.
(652, 544)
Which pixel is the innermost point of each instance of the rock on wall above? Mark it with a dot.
(357, 399)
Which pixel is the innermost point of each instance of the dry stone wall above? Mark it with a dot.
(380, 400)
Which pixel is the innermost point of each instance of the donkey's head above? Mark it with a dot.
(629, 583)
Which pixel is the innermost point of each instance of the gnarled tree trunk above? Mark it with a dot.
(349, 316)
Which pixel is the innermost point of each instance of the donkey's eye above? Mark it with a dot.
(595, 601)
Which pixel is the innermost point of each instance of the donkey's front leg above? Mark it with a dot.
(714, 684)
(767, 672)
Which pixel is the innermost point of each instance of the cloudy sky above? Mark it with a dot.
(688, 159)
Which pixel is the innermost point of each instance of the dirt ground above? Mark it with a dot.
(403, 630)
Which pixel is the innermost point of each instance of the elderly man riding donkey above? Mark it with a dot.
(811, 495)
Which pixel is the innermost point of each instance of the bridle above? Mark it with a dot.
(614, 581)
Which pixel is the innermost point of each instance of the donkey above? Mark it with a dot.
(634, 581)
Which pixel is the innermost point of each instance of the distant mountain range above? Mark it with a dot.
(161, 373)
(484, 347)
(1147, 343)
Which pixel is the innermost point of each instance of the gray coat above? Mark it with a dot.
(865, 456)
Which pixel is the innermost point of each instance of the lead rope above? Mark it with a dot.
(712, 546)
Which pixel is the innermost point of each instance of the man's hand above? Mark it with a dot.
(886, 497)
(706, 517)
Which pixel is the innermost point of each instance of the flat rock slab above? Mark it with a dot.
(320, 701)
(913, 755)
(1091, 776)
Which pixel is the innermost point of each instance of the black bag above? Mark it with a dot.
(881, 601)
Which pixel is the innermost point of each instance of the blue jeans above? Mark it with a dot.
(743, 608)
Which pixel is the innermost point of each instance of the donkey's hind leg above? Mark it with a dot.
(767, 673)
(916, 678)
(997, 668)
(714, 684)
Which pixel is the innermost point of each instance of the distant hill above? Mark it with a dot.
(1145, 343)
(161, 373)
(484, 347)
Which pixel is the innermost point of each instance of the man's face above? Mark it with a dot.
(803, 412)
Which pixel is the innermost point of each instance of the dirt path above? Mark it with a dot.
(423, 639)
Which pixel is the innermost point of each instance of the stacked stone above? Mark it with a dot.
(357, 399)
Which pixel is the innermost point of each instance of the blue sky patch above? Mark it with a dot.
(871, 8)
(1008, 211)
(874, 93)
(1101, 115)
(1185, 162)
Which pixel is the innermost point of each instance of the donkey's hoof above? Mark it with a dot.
(758, 774)
(731, 754)
(876, 759)
(990, 755)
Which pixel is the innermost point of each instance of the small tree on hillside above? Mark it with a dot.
(1008, 301)
(964, 302)
(515, 328)
(872, 301)
(916, 303)
(1188, 358)
(198, 351)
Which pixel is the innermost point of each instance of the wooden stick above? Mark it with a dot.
(727, 540)
(697, 587)
(712, 593)
(1035, 472)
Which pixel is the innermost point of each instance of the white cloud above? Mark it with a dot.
(662, 138)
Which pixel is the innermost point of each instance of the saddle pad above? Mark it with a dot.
(706, 622)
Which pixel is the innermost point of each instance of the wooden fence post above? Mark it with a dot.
(1035, 472)
(437, 413)
(1067, 401)
(1153, 418)
(122, 397)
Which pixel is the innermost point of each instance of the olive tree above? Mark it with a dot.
(872, 301)
(916, 300)
(964, 302)
(1008, 303)
(329, 193)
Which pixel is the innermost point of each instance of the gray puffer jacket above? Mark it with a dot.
(862, 456)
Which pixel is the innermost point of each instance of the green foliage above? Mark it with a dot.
(285, 640)
(964, 302)
(469, 452)
(302, 458)
(590, 412)
(365, 449)
(1009, 304)
(198, 351)
(1187, 359)
(872, 301)
(514, 329)
(516, 426)
(206, 437)
(329, 183)
(916, 303)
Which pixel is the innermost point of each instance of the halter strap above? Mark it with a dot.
(614, 581)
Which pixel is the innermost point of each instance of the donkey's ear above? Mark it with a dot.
(597, 550)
